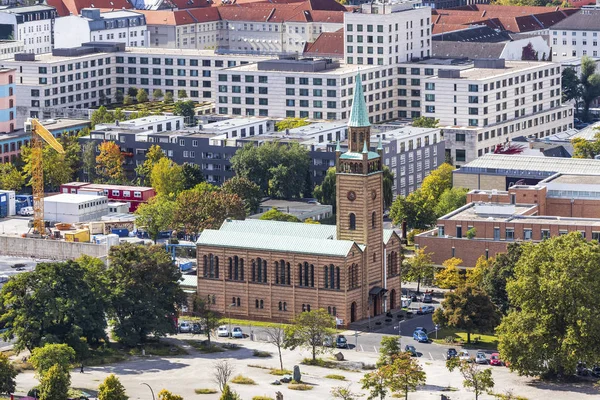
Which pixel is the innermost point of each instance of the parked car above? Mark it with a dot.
(341, 342)
(420, 328)
(237, 333)
(495, 360)
(185, 327)
(464, 355)
(328, 341)
(420, 337)
(222, 331)
(411, 349)
(428, 309)
(481, 358)
(427, 298)
(196, 328)
(451, 353)
(26, 211)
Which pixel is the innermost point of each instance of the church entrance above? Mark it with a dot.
(353, 312)
(376, 300)
(393, 299)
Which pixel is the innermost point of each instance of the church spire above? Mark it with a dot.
(359, 116)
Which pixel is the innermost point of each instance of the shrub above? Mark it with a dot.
(471, 233)
(243, 380)
(205, 391)
(299, 386)
(280, 372)
(410, 236)
(262, 398)
(335, 376)
(260, 353)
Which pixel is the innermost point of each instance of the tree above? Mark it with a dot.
(109, 163)
(425, 122)
(388, 349)
(166, 395)
(54, 385)
(141, 96)
(420, 267)
(475, 275)
(388, 183)
(275, 215)
(166, 177)
(404, 375)
(118, 96)
(229, 394)
(145, 292)
(246, 190)
(112, 389)
(88, 159)
(153, 156)
(500, 272)
(554, 307)
(376, 383)
(44, 358)
(584, 148)
(290, 123)
(58, 168)
(325, 192)
(529, 53)
(168, 98)
(449, 277)
(210, 319)
(437, 182)
(450, 200)
(155, 216)
(475, 377)
(343, 393)
(157, 94)
(182, 94)
(119, 115)
(571, 89)
(276, 336)
(414, 209)
(127, 100)
(192, 175)
(308, 330)
(222, 371)
(41, 306)
(132, 91)
(469, 309)
(198, 210)
(10, 177)
(8, 373)
(590, 84)
(185, 109)
(101, 116)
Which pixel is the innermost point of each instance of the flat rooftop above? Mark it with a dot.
(342, 69)
(72, 198)
(511, 67)
(52, 125)
(574, 180)
(232, 123)
(502, 163)
(488, 212)
(404, 132)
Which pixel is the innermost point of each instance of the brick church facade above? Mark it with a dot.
(271, 270)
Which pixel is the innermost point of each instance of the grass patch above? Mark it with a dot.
(450, 389)
(319, 362)
(260, 353)
(243, 380)
(205, 391)
(22, 366)
(204, 347)
(299, 386)
(258, 366)
(248, 322)
(478, 341)
(262, 398)
(280, 372)
(335, 376)
(108, 354)
(159, 349)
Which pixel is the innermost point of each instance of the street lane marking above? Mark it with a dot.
(375, 349)
(361, 348)
(430, 356)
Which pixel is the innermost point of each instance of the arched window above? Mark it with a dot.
(259, 272)
(261, 304)
(265, 271)
(312, 275)
(233, 301)
(374, 256)
(280, 308)
(205, 265)
(334, 311)
(276, 272)
(284, 306)
(241, 269)
(373, 224)
(308, 307)
(211, 268)
(236, 268)
(256, 303)
(282, 274)
(326, 276)
(306, 277)
(329, 310)
(217, 267)
(300, 274)
(253, 271)
(238, 302)
(303, 307)
(288, 273)
(352, 221)
(230, 268)
(337, 277)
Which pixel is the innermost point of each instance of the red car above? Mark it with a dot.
(495, 359)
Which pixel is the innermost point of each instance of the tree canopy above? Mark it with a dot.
(308, 330)
(192, 175)
(425, 122)
(112, 389)
(184, 108)
(420, 267)
(153, 156)
(8, 373)
(166, 177)
(246, 190)
(290, 123)
(109, 163)
(10, 177)
(325, 192)
(275, 215)
(155, 216)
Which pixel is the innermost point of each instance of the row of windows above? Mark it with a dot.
(179, 62)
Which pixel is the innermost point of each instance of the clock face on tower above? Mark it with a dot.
(373, 194)
(351, 195)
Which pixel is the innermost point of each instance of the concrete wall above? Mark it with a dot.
(49, 249)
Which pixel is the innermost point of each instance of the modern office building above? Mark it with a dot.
(122, 26)
(7, 100)
(31, 25)
(555, 206)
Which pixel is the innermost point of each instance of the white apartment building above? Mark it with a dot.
(489, 104)
(576, 35)
(8, 48)
(387, 33)
(122, 26)
(31, 25)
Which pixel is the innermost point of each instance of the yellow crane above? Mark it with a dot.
(39, 135)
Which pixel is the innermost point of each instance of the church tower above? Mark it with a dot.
(359, 194)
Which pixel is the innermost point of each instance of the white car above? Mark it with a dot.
(26, 211)
(237, 333)
(185, 327)
(222, 331)
(464, 355)
(481, 358)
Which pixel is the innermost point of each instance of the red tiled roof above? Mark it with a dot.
(187, 4)
(305, 11)
(66, 7)
(327, 44)
(181, 17)
(205, 14)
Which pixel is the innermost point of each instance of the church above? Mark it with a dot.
(272, 271)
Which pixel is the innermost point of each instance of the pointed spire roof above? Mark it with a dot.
(337, 146)
(359, 117)
(380, 144)
(365, 149)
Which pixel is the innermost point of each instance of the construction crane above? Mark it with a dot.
(39, 135)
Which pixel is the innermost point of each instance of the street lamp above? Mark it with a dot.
(229, 312)
(370, 303)
(399, 332)
(151, 391)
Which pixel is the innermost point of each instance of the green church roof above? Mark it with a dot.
(359, 116)
(358, 156)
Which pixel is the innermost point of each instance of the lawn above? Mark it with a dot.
(246, 322)
(478, 341)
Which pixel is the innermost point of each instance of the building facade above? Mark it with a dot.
(120, 26)
(132, 195)
(31, 25)
(7, 100)
(576, 36)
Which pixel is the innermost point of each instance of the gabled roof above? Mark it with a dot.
(280, 228)
(387, 235)
(181, 17)
(474, 34)
(66, 7)
(472, 50)
(327, 44)
(584, 20)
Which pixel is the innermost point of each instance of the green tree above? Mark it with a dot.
(415, 209)
(449, 277)
(145, 292)
(127, 100)
(168, 98)
(56, 166)
(308, 330)
(437, 182)
(571, 86)
(8, 373)
(343, 393)
(54, 385)
(420, 268)
(118, 96)
(275, 215)
(197, 210)
(388, 349)
(182, 94)
(192, 175)
(325, 192)
(141, 96)
(109, 163)
(290, 123)
(229, 394)
(425, 122)
(388, 183)
(166, 395)
(166, 177)
(376, 383)
(475, 377)
(584, 148)
(119, 115)
(246, 190)
(10, 177)
(184, 108)
(88, 159)
(500, 272)
(101, 116)
(132, 91)
(153, 156)
(41, 306)
(155, 216)
(210, 319)
(404, 375)
(450, 200)
(554, 307)
(157, 94)
(590, 84)
(469, 309)
(44, 358)
(112, 389)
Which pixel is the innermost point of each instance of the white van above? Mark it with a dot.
(26, 211)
